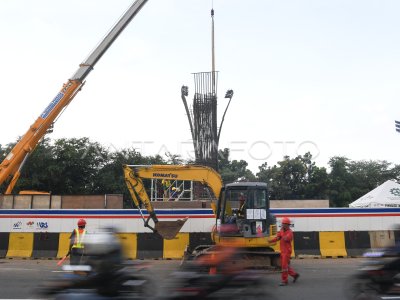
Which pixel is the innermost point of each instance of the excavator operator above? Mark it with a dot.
(242, 206)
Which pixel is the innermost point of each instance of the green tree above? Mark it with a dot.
(277, 187)
(110, 178)
(341, 181)
(317, 186)
(235, 170)
(4, 150)
(76, 164)
(350, 180)
(297, 178)
(34, 174)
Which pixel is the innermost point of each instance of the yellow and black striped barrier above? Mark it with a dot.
(152, 246)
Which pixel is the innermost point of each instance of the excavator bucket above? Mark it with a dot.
(169, 229)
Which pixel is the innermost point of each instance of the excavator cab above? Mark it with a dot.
(243, 211)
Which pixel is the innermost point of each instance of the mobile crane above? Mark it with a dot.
(10, 167)
(242, 208)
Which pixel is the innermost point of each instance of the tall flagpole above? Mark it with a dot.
(212, 52)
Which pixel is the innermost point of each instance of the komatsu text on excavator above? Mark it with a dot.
(242, 214)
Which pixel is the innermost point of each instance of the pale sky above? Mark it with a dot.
(319, 76)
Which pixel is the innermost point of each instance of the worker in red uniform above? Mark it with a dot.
(285, 236)
(76, 248)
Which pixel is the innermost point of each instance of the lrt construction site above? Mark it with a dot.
(219, 230)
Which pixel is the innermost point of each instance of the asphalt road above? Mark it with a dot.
(320, 278)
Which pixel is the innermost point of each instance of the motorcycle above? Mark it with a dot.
(378, 277)
(216, 275)
(130, 281)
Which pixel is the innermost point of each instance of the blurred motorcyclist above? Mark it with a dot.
(103, 251)
(103, 273)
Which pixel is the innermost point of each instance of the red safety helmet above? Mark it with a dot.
(286, 220)
(81, 222)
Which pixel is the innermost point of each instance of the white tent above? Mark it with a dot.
(385, 195)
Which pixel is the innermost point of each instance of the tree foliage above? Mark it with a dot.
(297, 178)
(81, 166)
(349, 180)
(232, 171)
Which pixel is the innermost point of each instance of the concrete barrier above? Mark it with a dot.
(20, 245)
(129, 244)
(174, 249)
(45, 244)
(151, 246)
(306, 243)
(4, 239)
(382, 238)
(332, 244)
(63, 244)
(357, 242)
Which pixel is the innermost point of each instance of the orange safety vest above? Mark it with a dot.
(79, 236)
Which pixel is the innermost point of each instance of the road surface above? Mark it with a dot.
(320, 278)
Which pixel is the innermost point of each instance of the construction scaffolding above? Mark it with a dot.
(204, 114)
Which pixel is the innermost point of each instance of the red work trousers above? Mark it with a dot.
(286, 269)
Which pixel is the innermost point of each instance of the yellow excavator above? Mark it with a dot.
(242, 213)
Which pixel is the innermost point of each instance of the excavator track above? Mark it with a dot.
(248, 258)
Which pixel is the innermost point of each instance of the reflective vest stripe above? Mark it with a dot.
(78, 243)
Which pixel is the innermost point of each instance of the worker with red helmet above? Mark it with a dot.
(285, 236)
(76, 245)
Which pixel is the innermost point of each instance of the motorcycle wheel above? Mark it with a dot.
(138, 287)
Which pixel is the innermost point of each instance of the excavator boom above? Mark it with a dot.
(203, 174)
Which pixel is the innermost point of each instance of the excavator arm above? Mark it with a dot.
(133, 178)
(139, 196)
(11, 166)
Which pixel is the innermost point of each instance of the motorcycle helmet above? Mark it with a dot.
(103, 251)
(101, 243)
(286, 220)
